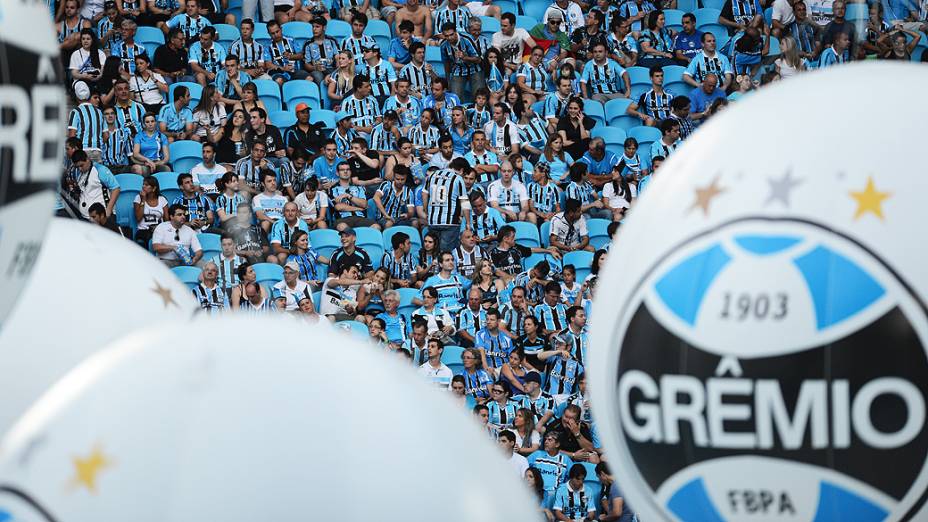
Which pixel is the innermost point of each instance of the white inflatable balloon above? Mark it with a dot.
(90, 287)
(243, 418)
(31, 133)
(761, 353)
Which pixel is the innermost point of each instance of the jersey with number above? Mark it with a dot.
(445, 189)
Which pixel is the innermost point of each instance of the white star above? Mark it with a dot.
(780, 188)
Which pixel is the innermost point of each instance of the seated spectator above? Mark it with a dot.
(612, 503)
(264, 132)
(513, 372)
(340, 294)
(350, 254)
(199, 208)
(150, 148)
(289, 292)
(703, 96)
(501, 409)
(282, 56)
(563, 372)
(349, 201)
(209, 116)
(207, 57)
(574, 130)
(470, 319)
(552, 462)
(394, 200)
(514, 312)
(708, 61)
(231, 145)
(208, 293)
(256, 301)
(688, 42)
(528, 440)
(603, 79)
(268, 206)
(171, 58)
(312, 204)
(568, 229)
(680, 112)
(507, 196)
(370, 294)
(738, 16)
(538, 404)
(117, 144)
(151, 208)
(491, 288)
(437, 319)
(477, 381)
(618, 194)
(656, 42)
(395, 324)
(227, 263)
(670, 139)
(574, 500)
(283, 231)
(551, 313)
(250, 100)
(176, 118)
(174, 242)
(398, 261)
(240, 293)
(365, 167)
(483, 221)
(95, 184)
(229, 199)
(307, 259)
(544, 195)
(580, 189)
(558, 161)
(417, 344)
(206, 172)
(437, 372)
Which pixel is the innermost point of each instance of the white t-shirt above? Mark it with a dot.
(146, 91)
(496, 135)
(509, 198)
(518, 463)
(334, 297)
(440, 376)
(567, 235)
(617, 200)
(211, 121)
(292, 295)
(309, 210)
(533, 439)
(206, 177)
(80, 60)
(164, 234)
(783, 12)
(151, 216)
(786, 70)
(820, 11)
(513, 46)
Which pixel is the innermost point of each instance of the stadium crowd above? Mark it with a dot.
(441, 179)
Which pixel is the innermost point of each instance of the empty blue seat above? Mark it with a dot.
(582, 260)
(535, 8)
(595, 110)
(638, 74)
(185, 154)
(325, 116)
(673, 73)
(610, 135)
(189, 275)
(526, 234)
(149, 38)
(268, 274)
(678, 88)
(617, 109)
(317, 300)
(707, 15)
(302, 91)
(269, 92)
(674, 19)
(433, 57)
(167, 182)
(357, 329)
(645, 136)
(406, 305)
(379, 28)
(299, 32)
(687, 6)
(368, 236)
(545, 233)
(324, 241)
(211, 244)
(261, 34)
(597, 229)
(855, 12)
(130, 185)
(338, 29)
(282, 119)
(718, 30)
(451, 355)
(489, 25)
(196, 90)
(227, 34)
(713, 4)
(507, 6)
(526, 22)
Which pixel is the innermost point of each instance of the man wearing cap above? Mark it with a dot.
(568, 12)
(230, 80)
(344, 133)
(535, 400)
(304, 135)
(289, 292)
(319, 52)
(551, 30)
(349, 254)
(381, 73)
(86, 121)
(283, 229)
(349, 201)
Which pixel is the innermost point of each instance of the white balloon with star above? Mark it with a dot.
(89, 287)
(243, 418)
(761, 351)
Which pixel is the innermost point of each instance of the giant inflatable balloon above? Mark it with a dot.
(241, 419)
(89, 288)
(32, 119)
(761, 354)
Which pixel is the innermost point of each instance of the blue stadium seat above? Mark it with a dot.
(638, 74)
(227, 35)
(302, 91)
(855, 12)
(545, 233)
(433, 57)
(489, 25)
(269, 92)
(149, 38)
(406, 296)
(299, 32)
(645, 136)
(673, 73)
(674, 19)
(707, 15)
(719, 30)
(713, 4)
(774, 50)
(526, 234)
(595, 110)
(526, 22)
(368, 236)
(185, 154)
(167, 182)
(687, 6)
(130, 185)
(535, 8)
(357, 329)
(768, 15)
(458, 369)
(282, 119)
(451, 355)
(261, 34)
(324, 241)
(189, 275)
(196, 90)
(413, 234)
(917, 53)
(338, 29)
(678, 88)
(617, 113)
(596, 228)
(378, 28)
(268, 274)
(211, 244)
(611, 135)
(317, 300)
(507, 6)
(582, 260)
(324, 115)
(534, 259)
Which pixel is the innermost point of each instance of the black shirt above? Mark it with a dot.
(309, 140)
(249, 238)
(580, 146)
(340, 260)
(360, 170)
(509, 261)
(271, 138)
(569, 443)
(167, 59)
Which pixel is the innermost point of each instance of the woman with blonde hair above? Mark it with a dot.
(789, 63)
(489, 285)
(339, 82)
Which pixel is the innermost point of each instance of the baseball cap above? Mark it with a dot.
(555, 15)
(81, 91)
(109, 4)
(391, 114)
(532, 377)
(292, 265)
(348, 232)
(300, 107)
(319, 20)
(342, 115)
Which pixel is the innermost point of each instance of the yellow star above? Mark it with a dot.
(870, 200)
(705, 195)
(164, 294)
(86, 469)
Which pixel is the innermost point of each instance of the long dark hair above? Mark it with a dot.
(229, 126)
(539, 486)
(153, 181)
(620, 185)
(500, 63)
(94, 47)
(206, 100)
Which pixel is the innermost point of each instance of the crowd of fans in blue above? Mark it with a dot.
(441, 179)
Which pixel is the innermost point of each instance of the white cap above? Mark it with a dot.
(82, 90)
